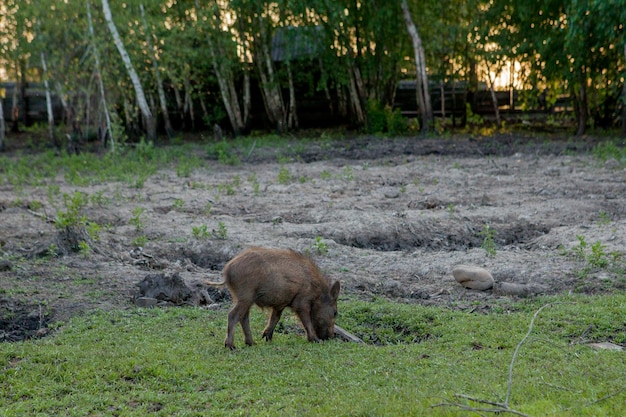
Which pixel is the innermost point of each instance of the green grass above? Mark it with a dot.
(171, 362)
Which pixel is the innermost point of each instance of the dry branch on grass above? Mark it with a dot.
(504, 406)
(346, 335)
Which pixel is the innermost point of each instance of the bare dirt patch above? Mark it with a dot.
(389, 218)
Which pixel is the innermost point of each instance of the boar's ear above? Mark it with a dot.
(334, 290)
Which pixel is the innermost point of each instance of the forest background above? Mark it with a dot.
(140, 68)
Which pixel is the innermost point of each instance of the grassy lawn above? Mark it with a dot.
(172, 362)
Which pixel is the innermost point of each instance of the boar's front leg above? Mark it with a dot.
(305, 317)
(271, 323)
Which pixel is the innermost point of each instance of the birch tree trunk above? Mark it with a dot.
(157, 76)
(624, 101)
(141, 97)
(494, 99)
(225, 81)
(292, 120)
(423, 95)
(270, 85)
(105, 108)
(2, 127)
(46, 84)
(15, 110)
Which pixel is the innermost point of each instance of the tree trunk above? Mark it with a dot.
(270, 85)
(423, 95)
(46, 84)
(157, 76)
(624, 101)
(356, 101)
(580, 104)
(225, 80)
(189, 102)
(293, 115)
(581, 109)
(2, 127)
(494, 99)
(141, 97)
(442, 92)
(105, 108)
(15, 110)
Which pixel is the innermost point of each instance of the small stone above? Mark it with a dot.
(473, 277)
(146, 302)
(612, 164)
(605, 346)
(391, 193)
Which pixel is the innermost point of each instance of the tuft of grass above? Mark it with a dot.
(221, 232)
(489, 243)
(320, 246)
(284, 176)
(172, 362)
(610, 150)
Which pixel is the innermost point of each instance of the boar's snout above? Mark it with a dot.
(325, 314)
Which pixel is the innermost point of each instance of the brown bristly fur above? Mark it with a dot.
(279, 278)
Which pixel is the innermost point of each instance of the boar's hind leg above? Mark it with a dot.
(271, 323)
(240, 313)
(245, 325)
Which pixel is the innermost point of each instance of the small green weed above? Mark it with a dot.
(320, 246)
(604, 218)
(200, 232)
(595, 256)
(139, 241)
(84, 249)
(73, 216)
(325, 175)
(489, 243)
(284, 176)
(221, 232)
(179, 204)
(136, 220)
(348, 174)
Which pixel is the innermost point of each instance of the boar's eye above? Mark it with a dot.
(335, 313)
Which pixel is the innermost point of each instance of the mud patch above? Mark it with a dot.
(19, 321)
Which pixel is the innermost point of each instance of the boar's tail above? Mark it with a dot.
(214, 283)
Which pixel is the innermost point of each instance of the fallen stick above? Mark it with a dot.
(346, 335)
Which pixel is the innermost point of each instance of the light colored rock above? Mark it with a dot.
(522, 290)
(605, 346)
(473, 277)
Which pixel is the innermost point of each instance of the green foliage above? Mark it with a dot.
(472, 118)
(604, 218)
(139, 241)
(489, 243)
(224, 152)
(136, 220)
(595, 257)
(179, 203)
(284, 176)
(384, 119)
(610, 150)
(84, 249)
(320, 246)
(200, 232)
(73, 215)
(221, 232)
